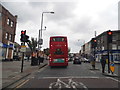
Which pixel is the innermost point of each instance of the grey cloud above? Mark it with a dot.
(63, 11)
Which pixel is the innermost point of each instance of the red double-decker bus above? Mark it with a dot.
(58, 51)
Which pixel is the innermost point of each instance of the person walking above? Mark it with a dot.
(103, 63)
(92, 60)
(39, 58)
(34, 59)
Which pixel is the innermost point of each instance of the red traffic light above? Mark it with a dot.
(23, 32)
(110, 33)
(95, 40)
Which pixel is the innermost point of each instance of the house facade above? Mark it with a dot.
(102, 46)
(7, 32)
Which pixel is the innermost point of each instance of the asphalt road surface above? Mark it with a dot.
(74, 76)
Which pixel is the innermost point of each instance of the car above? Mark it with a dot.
(17, 58)
(85, 60)
(76, 60)
(71, 59)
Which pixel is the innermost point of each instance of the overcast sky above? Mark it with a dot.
(76, 19)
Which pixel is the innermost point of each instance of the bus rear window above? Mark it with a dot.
(58, 52)
(59, 39)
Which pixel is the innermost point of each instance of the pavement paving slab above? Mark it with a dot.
(11, 71)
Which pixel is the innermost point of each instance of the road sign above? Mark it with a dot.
(23, 49)
(40, 42)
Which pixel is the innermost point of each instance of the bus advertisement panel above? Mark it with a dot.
(58, 51)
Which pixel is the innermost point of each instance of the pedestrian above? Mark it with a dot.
(92, 59)
(34, 60)
(42, 57)
(103, 63)
(39, 57)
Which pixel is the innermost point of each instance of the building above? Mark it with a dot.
(7, 32)
(102, 46)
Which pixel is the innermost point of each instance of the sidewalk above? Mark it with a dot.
(99, 67)
(11, 71)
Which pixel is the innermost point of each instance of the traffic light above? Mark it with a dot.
(24, 37)
(93, 43)
(109, 36)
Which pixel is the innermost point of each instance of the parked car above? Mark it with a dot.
(85, 60)
(71, 59)
(17, 58)
(76, 60)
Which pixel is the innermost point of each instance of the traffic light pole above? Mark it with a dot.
(108, 57)
(22, 60)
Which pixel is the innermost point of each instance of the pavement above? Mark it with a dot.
(11, 71)
(115, 74)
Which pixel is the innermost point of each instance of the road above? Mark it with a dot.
(82, 74)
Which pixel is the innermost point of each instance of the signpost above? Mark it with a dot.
(23, 48)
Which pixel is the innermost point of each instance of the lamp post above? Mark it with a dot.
(40, 40)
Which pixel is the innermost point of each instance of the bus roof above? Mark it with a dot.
(58, 36)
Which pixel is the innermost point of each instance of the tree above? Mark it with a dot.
(32, 44)
(69, 50)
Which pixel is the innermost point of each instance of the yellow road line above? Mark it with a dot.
(22, 83)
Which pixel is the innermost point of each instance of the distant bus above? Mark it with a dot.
(58, 51)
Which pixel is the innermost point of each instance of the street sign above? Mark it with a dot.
(40, 42)
(23, 49)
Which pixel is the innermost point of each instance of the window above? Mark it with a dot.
(11, 23)
(114, 46)
(58, 52)
(6, 36)
(58, 39)
(8, 21)
(114, 38)
(10, 37)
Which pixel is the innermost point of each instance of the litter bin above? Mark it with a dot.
(34, 61)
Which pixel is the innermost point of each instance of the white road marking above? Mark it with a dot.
(70, 77)
(93, 72)
(84, 86)
(113, 79)
(70, 84)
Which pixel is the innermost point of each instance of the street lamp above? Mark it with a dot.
(40, 40)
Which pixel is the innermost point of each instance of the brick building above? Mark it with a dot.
(7, 32)
(102, 47)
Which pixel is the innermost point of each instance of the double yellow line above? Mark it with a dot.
(21, 84)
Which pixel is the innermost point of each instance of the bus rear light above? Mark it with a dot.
(67, 59)
(51, 45)
(65, 45)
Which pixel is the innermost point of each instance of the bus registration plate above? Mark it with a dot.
(58, 61)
